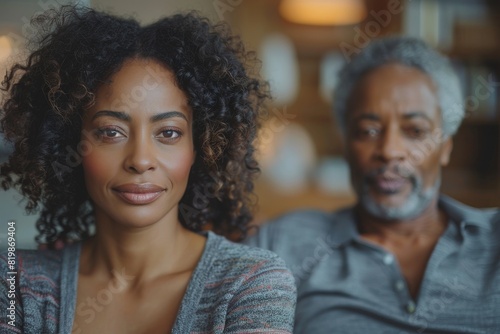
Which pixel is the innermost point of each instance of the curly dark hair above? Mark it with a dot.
(76, 51)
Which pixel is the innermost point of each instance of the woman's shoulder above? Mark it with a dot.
(250, 289)
(33, 282)
(37, 270)
(229, 250)
(33, 262)
(237, 260)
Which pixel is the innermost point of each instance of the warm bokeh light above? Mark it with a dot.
(5, 48)
(323, 12)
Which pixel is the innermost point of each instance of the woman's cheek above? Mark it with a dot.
(180, 166)
(96, 167)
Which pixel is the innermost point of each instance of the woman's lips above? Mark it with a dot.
(139, 194)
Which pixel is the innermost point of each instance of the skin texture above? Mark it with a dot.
(396, 154)
(144, 241)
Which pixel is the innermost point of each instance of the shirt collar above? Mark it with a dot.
(344, 228)
(465, 215)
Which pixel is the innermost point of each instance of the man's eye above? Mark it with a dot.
(366, 132)
(416, 132)
(369, 133)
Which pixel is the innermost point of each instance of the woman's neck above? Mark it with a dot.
(144, 253)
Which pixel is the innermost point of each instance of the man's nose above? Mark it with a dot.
(392, 146)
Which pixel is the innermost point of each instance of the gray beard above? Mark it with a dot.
(418, 200)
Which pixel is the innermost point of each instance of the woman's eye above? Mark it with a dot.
(170, 134)
(108, 133)
(111, 133)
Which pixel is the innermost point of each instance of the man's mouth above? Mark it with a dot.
(386, 180)
(389, 185)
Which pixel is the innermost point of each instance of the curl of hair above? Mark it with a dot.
(79, 49)
(412, 52)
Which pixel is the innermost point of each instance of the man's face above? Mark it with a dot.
(394, 142)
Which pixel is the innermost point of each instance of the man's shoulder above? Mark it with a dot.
(309, 221)
(305, 224)
(296, 235)
(304, 220)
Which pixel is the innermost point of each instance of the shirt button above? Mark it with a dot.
(411, 307)
(400, 285)
(388, 259)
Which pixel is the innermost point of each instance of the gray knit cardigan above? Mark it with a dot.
(234, 289)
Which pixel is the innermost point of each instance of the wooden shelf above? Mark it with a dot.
(470, 188)
(481, 121)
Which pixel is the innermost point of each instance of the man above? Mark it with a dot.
(404, 259)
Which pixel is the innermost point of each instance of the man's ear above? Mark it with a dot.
(446, 151)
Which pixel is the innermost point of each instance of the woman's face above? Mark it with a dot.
(140, 128)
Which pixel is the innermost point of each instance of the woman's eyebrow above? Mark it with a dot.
(115, 114)
(168, 114)
(125, 117)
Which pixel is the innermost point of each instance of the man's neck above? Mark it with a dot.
(412, 241)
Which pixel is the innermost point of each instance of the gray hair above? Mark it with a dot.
(411, 52)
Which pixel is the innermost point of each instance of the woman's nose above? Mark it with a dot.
(141, 156)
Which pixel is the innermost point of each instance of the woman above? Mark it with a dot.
(135, 141)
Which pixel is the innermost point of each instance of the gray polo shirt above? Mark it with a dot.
(347, 285)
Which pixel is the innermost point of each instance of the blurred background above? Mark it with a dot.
(302, 45)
